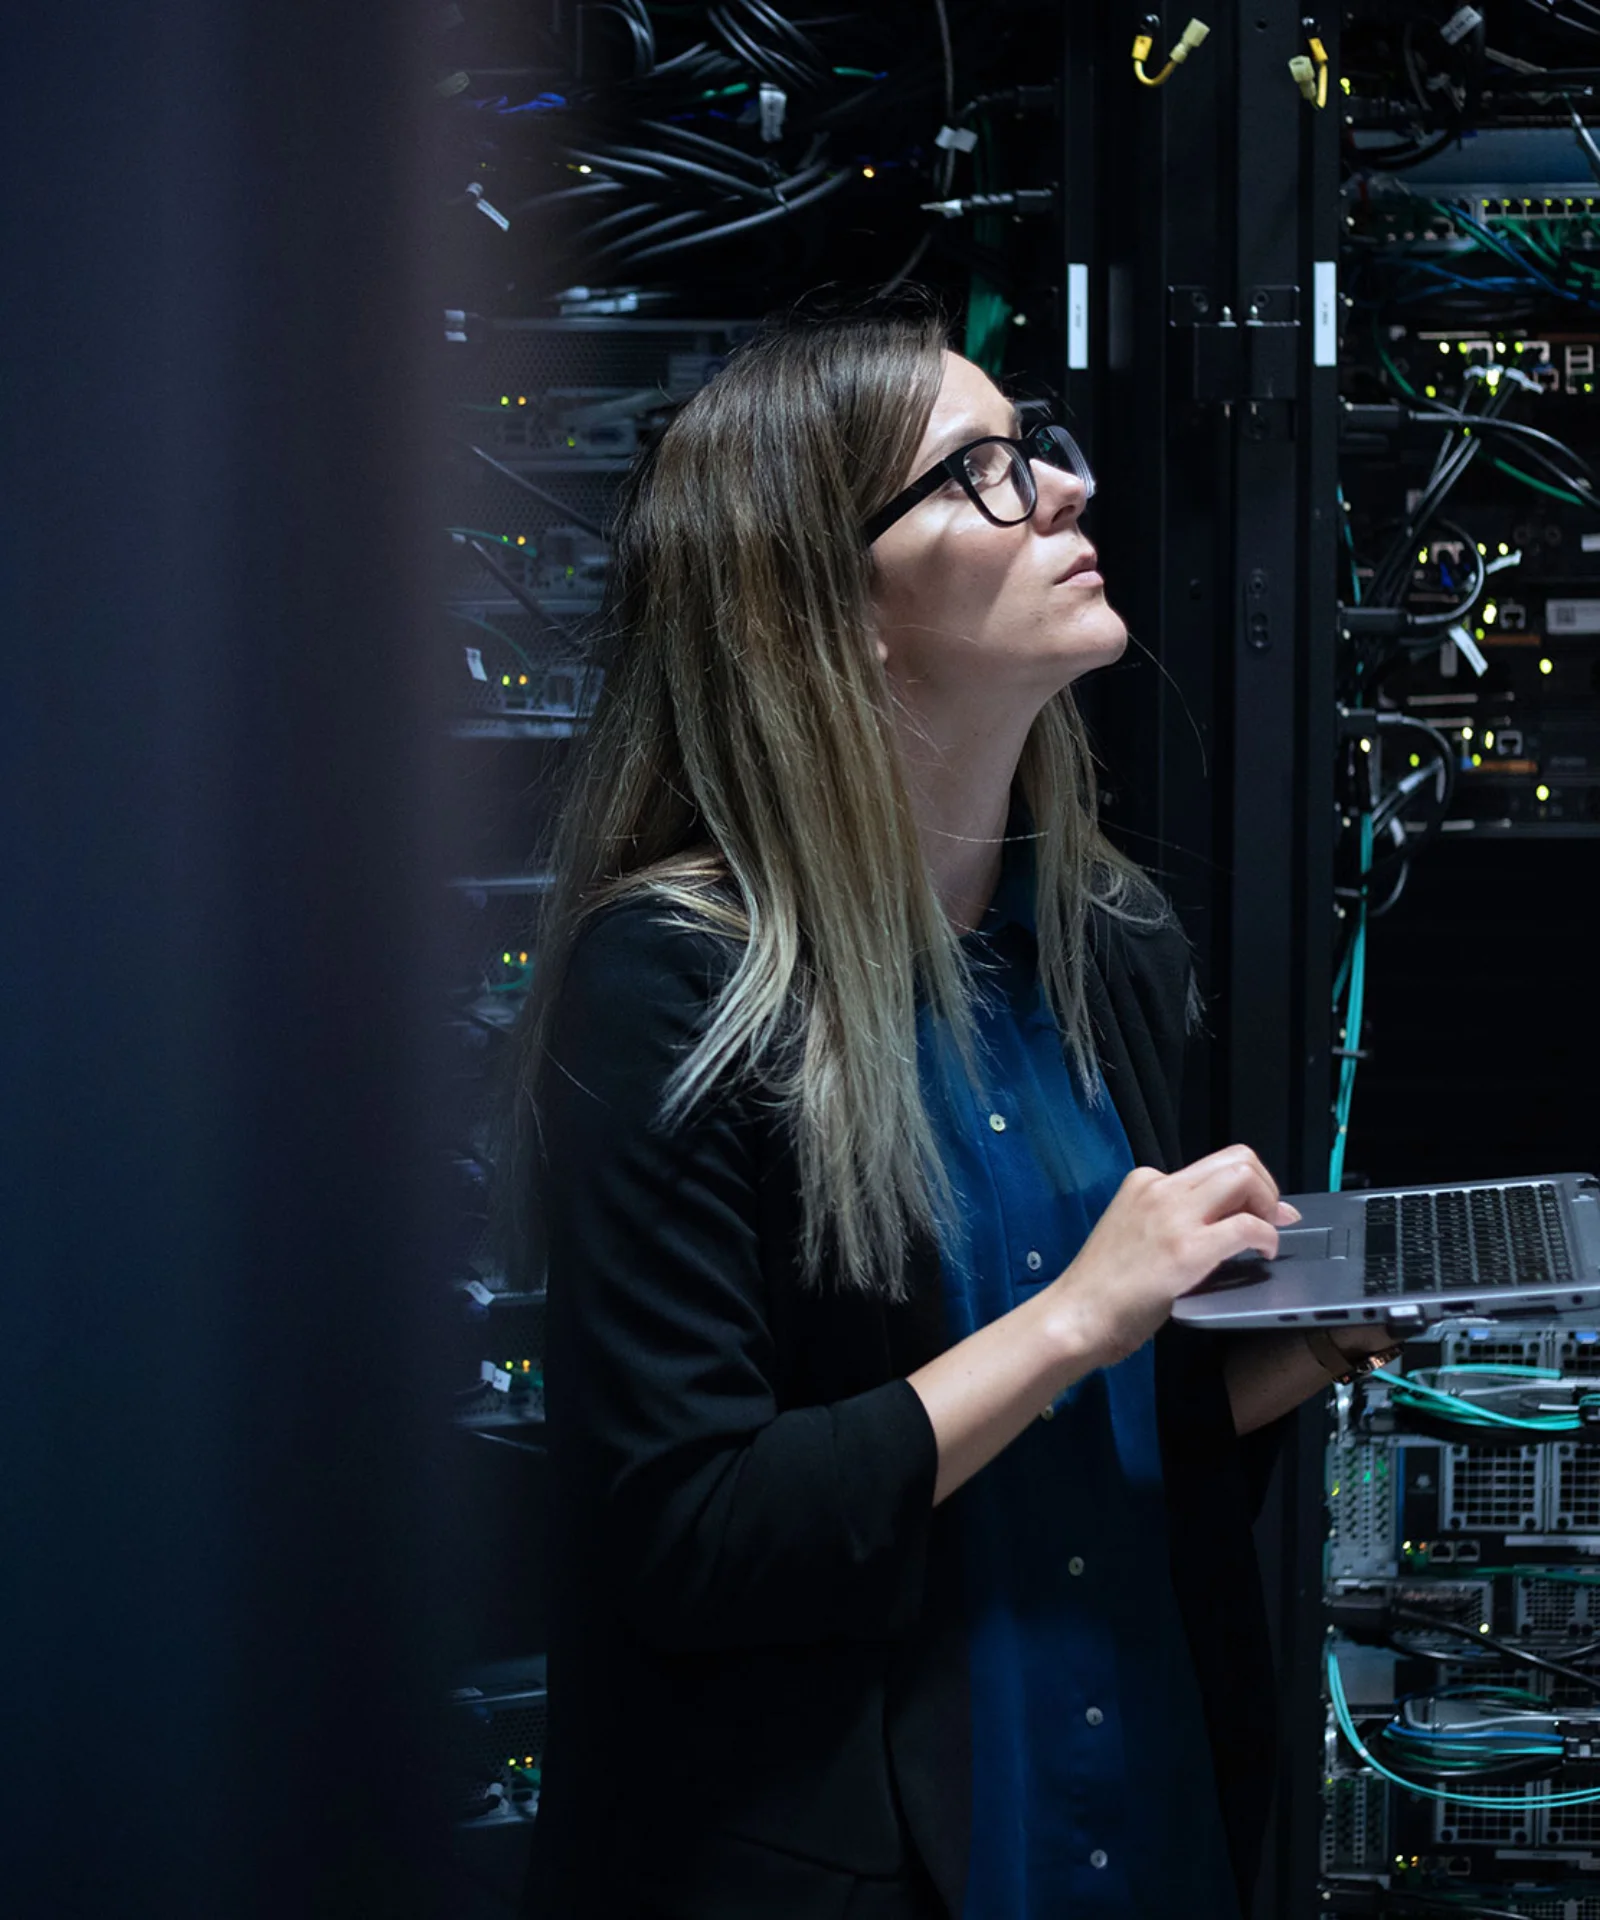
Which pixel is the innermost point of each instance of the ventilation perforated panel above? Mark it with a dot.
(1575, 1496)
(1514, 1825)
(1552, 1606)
(1579, 1351)
(1573, 1826)
(1503, 1347)
(1490, 1489)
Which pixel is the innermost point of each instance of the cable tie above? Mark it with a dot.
(773, 105)
(1469, 649)
(475, 192)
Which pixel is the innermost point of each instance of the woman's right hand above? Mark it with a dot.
(1160, 1236)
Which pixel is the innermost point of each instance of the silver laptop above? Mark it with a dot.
(1408, 1256)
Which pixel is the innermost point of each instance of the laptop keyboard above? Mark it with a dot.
(1467, 1238)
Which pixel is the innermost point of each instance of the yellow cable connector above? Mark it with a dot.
(1192, 36)
(1310, 72)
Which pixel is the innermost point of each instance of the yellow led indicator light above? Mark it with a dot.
(1541, 793)
(505, 679)
(522, 399)
(1547, 666)
(586, 169)
(1503, 548)
(1466, 733)
(1431, 392)
(522, 679)
(1444, 346)
(1344, 83)
(522, 539)
(1422, 556)
(1416, 760)
(1482, 548)
(869, 173)
(1477, 759)
(505, 399)
(1491, 613)
(1488, 741)
(523, 958)
(1366, 746)
(506, 957)
(1478, 632)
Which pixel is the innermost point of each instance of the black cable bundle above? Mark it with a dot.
(708, 126)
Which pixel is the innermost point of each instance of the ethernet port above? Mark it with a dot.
(1458, 1864)
(1467, 1552)
(1441, 1553)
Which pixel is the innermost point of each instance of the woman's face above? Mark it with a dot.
(972, 611)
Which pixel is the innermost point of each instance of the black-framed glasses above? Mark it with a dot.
(996, 475)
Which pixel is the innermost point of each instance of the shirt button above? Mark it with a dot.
(998, 1122)
(1098, 1857)
(1049, 1413)
(1075, 1565)
(1094, 1716)
(1035, 1260)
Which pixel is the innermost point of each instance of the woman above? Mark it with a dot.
(900, 1555)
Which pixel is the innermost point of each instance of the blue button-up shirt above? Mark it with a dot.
(1093, 1789)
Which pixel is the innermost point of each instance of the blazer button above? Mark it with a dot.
(1098, 1857)
(1075, 1565)
(998, 1122)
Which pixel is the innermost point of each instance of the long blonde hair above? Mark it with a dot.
(742, 768)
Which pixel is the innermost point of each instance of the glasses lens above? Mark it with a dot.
(1001, 481)
(1057, 446)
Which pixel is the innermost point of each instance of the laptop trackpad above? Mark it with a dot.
(1294, 1243)
(1313, 1243)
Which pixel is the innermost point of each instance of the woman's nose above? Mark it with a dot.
(1061, 495)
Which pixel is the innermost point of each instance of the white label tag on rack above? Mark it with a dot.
(475, 664)
(1077, 315)
(1572, 616)
(496, 1377)
(1324, 313)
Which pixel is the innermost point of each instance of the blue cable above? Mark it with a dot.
(1494, 242)
(1500, 1803)
(1352, 1023)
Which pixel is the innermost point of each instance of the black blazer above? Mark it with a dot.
(757, 1664)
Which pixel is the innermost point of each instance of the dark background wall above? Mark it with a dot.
(219, 972)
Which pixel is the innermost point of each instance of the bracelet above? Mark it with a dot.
(1341, 1366)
